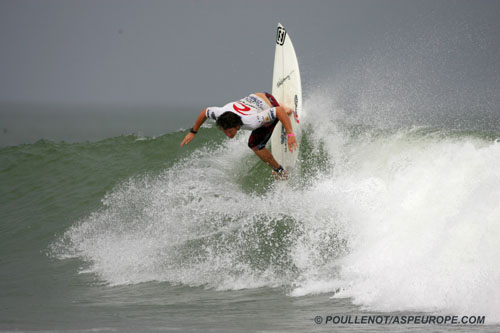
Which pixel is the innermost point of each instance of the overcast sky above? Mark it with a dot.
(128, 52)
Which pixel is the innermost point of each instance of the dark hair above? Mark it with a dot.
(228, 120)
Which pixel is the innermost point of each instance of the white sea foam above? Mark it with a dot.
(422, 215)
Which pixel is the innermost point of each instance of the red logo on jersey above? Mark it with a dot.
(241, 110)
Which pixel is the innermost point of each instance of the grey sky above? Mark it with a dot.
(207, 52)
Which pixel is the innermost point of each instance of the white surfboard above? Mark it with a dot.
(288, 91)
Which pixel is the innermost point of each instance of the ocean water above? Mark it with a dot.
(133, 233)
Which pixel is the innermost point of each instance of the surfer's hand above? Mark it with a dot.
(288, 110)
(187, 139)
(292, 143)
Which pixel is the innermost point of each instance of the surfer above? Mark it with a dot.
(259, 112)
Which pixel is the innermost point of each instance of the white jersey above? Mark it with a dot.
(253, 110)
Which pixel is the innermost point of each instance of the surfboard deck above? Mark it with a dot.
(287, 90)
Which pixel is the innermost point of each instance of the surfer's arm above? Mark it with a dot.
(282, 114)
(197, 124)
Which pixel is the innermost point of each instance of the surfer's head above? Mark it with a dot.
(230, 123)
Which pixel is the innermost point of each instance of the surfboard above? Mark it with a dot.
(287, 90)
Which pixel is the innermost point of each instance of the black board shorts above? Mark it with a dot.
(260, 136)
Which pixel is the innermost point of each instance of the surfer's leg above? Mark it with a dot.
(257, 142)
(268, 158)
(260, 136)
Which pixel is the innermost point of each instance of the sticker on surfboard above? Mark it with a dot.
(280, 36)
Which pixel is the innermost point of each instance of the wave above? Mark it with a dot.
(397, 219)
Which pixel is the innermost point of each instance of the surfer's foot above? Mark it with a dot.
(282, 175)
